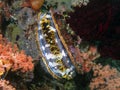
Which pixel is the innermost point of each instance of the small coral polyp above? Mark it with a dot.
(55, 56)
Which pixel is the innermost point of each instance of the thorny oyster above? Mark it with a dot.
(57, 57)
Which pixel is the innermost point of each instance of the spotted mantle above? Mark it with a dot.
(53, 50)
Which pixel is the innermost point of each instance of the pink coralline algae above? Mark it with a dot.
(13, 59)
(105, 78)
(5, 85)
(84, 60)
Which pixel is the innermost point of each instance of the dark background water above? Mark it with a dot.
(99, 23)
